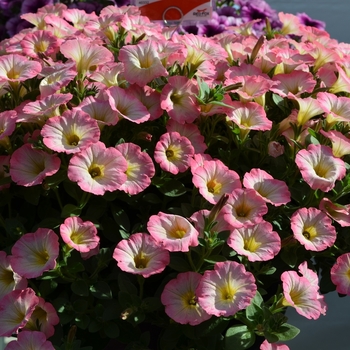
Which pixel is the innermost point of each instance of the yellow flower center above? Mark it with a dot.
(177, 232)
(141, 260)
(251, 244)
(42, 257)
(227, 292)
(169, 153)
(6, 277)
(310, 233)
(214, 187)
(189, 300)
(73, 140)
(95, 171)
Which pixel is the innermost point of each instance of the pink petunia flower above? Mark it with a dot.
(340, 274)
(273, 346)
(313, 229)
(30, 340)
(141, 255)
(141, 62)
(98, 169)
(272, 191)
(35, 253)
(80, 235)
(16, 308)
(140, 168)
(173, 152)
(319, 168)
(180, 301)
(226, 289)
(249, 116)
(9, 280)
(190, 131)
(198, 219)
(86, 55)
(99, 109)
(301, 292)
(339, 213)
(337, 109)
(178, 98)
(30, 166)
(40, 110)
(340, 143)
(43, 318)
(7, 124)
(126, 105)
(257, 243)
(40, 43)
(173, 232)
(214, 178)
(71, 132)
(244, 208)
(15, 68)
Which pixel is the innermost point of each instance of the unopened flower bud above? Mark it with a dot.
(275, 149)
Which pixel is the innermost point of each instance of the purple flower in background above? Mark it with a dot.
(15, 24)
(33, 5)
(88, 7)
(307, 21)
(227, 11)
(10, 7)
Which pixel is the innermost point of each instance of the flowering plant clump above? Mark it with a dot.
(166, 190)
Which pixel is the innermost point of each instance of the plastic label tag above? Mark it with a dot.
(175, 10)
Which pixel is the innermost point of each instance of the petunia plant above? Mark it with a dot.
(164, 189)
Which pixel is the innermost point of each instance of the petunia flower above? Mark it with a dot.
(7, 124)
(319, 168)
(15, 68)
(190, 131)
(35, 253)
(226, 290)
(214, 178)
(339, 213)
(141, 62)
(30, 340)
(140, 168)
(340, 143)
(336, 108)
(313, 229)
(99, 109)
(16, 308)
(244, 208)
(178, 98)
(273, 191)
(30, 166)
(308, 108)
(86, 55)
(40, 43)
(180, 301)
(340, 274)
(80, 235)
(71, 132)
(126, 105)
(257, 243)
(141, 255)
(249, 116)
(98, 169)
(43, 318)
(9, 280)
(172, 232)
(265, 345)
(173, 152)
(301, 292)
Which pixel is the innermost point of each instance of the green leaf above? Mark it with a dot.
(80, 287)
(82, 321)
(212, 259)
(179, 264)
(101, 290)
(111, 329)
(125, 285)
(80, 305)
(171, 188)
(287, 332)
(70, 210)
(151, 198)
(239, 337)
(121, 218)
(254, 311)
